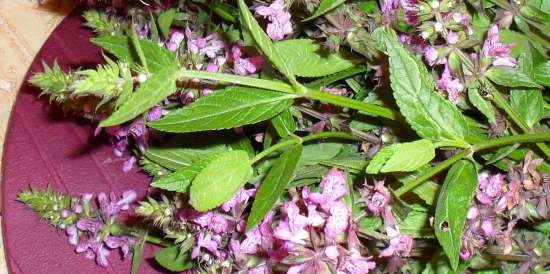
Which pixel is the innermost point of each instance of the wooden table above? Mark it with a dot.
(24, 26)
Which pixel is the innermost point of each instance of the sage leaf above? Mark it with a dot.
(453, 204)
(180, 179)
(324, 7)
(157, 57)
(151, 92)
(308, 58)
(274, 185)
(402, 157)
(481, 104)
(265, 44)
(220, 180)
(172, 259)
(529, 104)
(284, 123)
(165, 20)
(428, 113)
(510, 77)
(228, 108)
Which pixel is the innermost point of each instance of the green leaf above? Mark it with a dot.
(137, 257)
(355, 164)
(157, 57)
(179, 153)
(317, 152)
(284, 123)
(266, 45)
(480, 103)
(543, 227)
(453, 204)
(417, 223)
(324, 7)
(429, 114)
(180, 180)
(165, 20)
(427, 191)
(542, 73)
(402, 157)
(220, 180)
(274, 185)
(510, 77)
(228, 108)
(172, 259)
(151, 92)
(308, 58)
(529, 104)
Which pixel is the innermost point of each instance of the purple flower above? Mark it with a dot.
(72, 232)
(208, 45)
(92, 225)
(430, 54)
(451, 85)
(490, 186)
(379, 198)
(122, 242)
(154, 113)
(389, 8)
(219, 224)
(129, 164)
(240, 198)
(111, 206)
(355, 264)
(493, 48)
(333, 184)
(94, 250)
(279, 19)
(207, 241)
(338, 221)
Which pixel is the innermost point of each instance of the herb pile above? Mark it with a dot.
(317, 136)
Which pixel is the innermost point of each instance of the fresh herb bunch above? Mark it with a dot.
(326, 136)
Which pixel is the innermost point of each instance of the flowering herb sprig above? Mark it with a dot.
(322, 129)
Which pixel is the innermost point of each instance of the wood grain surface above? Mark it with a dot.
(24, 26)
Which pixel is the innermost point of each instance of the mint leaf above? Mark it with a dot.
(151, 92)
(324, 7)
(265, 44)
(510, 77)
(427, 191)
(308, 58)
(542, 73)
(284, 123)
(529, 104)
(480, 103)
(228, 108)
(165, 20)
(402, 157)
(453, 204)
(220, 180)
(180, 180)
(317, 152)
(157, 58)
(273, 185)
(177, 153)
(417, 223)
(172, 259)
(428, 113)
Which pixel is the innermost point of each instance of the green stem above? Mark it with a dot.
(298, 140)
(427, 175)
(351, 103)
(508, 140)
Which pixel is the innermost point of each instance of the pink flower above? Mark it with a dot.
(219, 224)
(175, 40)
(355, 264)
(333, 184)
(72, 232)
(129, 164)
(451, 85)
(122, 242)
(452, 37)
(208, 45)
(241, 197)
(207, 241)
(431, 55)
(154, 113)
(338, 221)
(493, 48)
(379, 199)
(400, 245)
(279, 19)
(490, 187)
(244, 66)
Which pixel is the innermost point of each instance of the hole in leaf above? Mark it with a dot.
(444, 226)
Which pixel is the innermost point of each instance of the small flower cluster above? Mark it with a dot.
(90, 229)
(500, 203)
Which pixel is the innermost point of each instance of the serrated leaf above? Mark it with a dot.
(542, 73)
(157, 58)
(180, 179)
(228, 108)
(284, 123)
(172, 259)
(417, 223)
(453, 204)
(165, 20)
(159, 86)
(324, 7)
(220, 180)
(529, 104)
(177, 154)
(510, 77)
(402, 157)
(481, 104)
(265, 43)
(428, 113)
(308, 58)
(274, 185)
